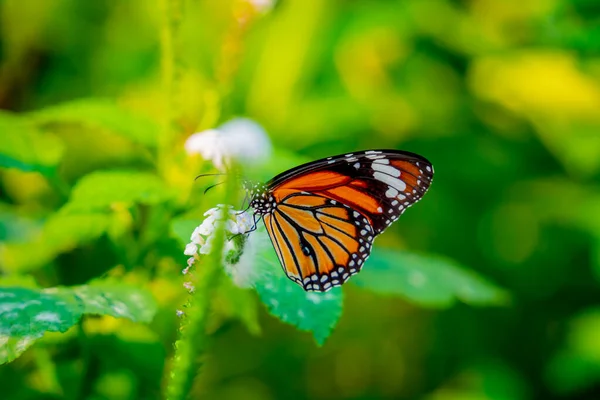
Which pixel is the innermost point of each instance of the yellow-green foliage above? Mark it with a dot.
(487, 289)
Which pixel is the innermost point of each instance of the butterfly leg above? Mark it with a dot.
(252, 229)
(256, 218)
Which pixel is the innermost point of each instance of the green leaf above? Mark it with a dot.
(26, 314)
(317, 313)
(25, 148)
(102, 114)
(428, 281)
(12, 347)
(100, 190)
(16, 225)
(61, 232)
(117, 300)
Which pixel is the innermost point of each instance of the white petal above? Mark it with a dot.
(211, 211)
(208, 226)
(190, 249)
(262, 6)
(196, 236)
(232, 227)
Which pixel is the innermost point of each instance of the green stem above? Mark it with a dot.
(192, 341)
(172, 70)
(193, 338)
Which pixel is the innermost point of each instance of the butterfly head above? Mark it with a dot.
(261, 199)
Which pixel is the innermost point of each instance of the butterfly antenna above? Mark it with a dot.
(212, 186)
(203, 175)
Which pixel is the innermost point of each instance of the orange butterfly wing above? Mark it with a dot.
(380, 184)
(320, 242)
(322, 217)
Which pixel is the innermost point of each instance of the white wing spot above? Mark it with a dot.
(381, 161)
(357, 165)
(391, 192)
(395, 183)
(386, 169)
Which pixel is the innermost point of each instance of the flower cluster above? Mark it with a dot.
(240, 139)
(243, 141)
(235, 225)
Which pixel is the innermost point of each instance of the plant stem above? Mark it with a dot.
(192, 340)
(172, 70)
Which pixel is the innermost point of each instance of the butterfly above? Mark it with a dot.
(323, 216)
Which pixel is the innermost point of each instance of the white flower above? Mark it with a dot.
(240, 139)
(196, 237)
(189, 286)
(207, 247)
(190, 249)
(244, 221)
(247, 270)
(262, 6)
(238, 255)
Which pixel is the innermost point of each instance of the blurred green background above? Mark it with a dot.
(503, 97)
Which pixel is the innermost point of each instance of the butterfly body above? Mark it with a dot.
(322, 217)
